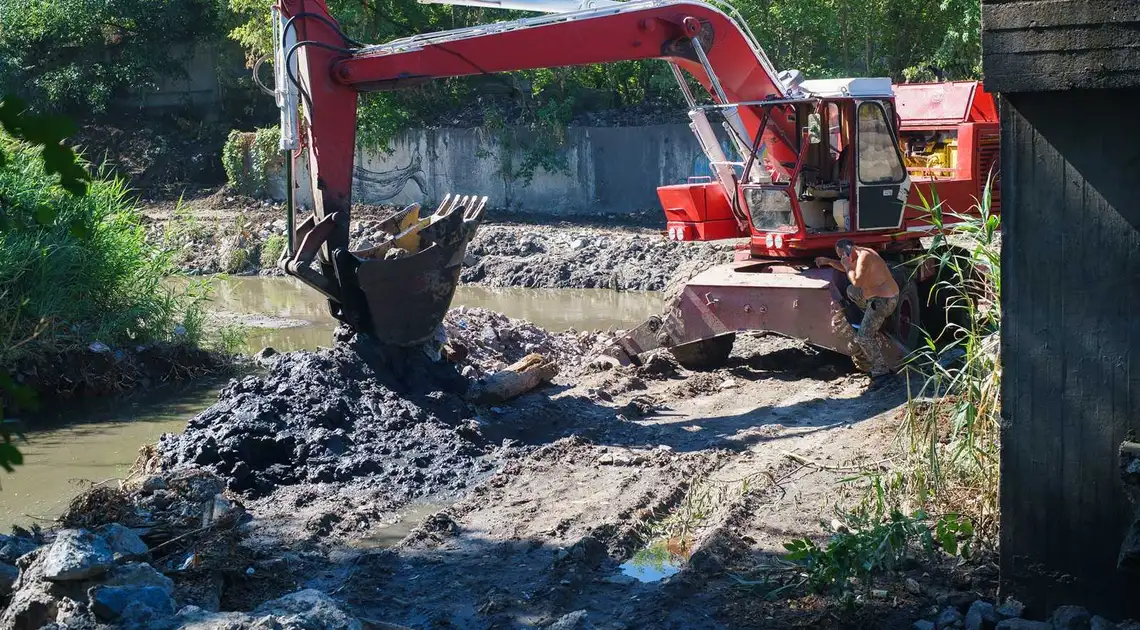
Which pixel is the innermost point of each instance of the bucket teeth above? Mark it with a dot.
(409, 280)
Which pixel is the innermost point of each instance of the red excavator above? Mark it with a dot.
(816, 161)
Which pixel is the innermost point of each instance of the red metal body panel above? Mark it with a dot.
(944, 104)
(698, 212)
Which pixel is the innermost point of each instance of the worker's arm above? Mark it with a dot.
(859, 269)
(823, 261)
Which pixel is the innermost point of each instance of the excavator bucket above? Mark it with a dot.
(409, 280)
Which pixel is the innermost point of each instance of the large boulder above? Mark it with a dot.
(109, 603)
(77, 554)
(309, 609)
(12, 548)
(8, 575)
(138, 574)
(303, 610)
(123, 541)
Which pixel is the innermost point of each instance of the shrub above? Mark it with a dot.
(271, 250)
(249, 158)
(87, 274)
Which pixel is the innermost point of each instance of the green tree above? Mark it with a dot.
(77, 56)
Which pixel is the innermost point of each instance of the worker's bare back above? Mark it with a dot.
(872, 275)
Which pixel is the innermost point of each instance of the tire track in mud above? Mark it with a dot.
(546, 533)
(545, 536)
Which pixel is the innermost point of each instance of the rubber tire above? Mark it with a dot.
(908, 302)
(706, 354)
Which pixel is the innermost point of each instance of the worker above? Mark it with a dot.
(873, 288)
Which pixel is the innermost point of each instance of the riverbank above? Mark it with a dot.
(222, 232)
(613, 498)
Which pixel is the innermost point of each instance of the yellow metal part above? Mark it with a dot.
(409, 240)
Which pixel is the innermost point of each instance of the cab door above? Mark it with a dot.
(882, 183)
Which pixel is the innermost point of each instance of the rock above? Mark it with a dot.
(309, 608)
(16, 548)
(77, 554)
(1100, 623)
(913, 587)
(948, 618)
(266, 356)
(1010, 609)
(981, 616)
(8, 575)
(922, 624)
(111, 602)
(123, 541)
(1070, 618)
(1023, 624)
(219, 509)
(958, 599)
(138, 574)
(145, 484)
(571, 621)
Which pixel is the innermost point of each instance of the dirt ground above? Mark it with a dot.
(530, 509)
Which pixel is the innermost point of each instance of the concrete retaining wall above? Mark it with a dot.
(606, 169)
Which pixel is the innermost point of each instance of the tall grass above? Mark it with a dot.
(949, 441)
(77, 269)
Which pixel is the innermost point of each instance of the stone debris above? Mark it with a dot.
(571, 257)
(487, 342)
(77, 555)
(123, 541)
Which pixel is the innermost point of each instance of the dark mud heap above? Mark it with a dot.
(393, 420)
(351, 411)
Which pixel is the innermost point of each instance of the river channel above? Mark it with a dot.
(97, 441)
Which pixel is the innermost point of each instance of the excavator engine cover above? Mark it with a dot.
(409, 281)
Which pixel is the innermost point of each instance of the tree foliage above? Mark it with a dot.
(77, 56)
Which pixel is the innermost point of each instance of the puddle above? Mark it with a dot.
(657, 561)
(94, 441)
(388, 534)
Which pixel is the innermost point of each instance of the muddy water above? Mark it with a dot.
(287, 315)
(91, 443)
(98, 441)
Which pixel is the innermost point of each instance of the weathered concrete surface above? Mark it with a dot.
(1045, 45)
(607, 169)
(1070, 348)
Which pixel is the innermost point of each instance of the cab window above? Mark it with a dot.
(879, 160)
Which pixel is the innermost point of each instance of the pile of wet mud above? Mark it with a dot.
(355, 410)
(588, 258)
